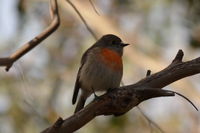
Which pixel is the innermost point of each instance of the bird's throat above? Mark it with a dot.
(111, 58)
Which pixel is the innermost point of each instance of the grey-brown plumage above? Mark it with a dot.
(101, 68)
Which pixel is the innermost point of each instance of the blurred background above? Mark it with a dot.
(39, 87)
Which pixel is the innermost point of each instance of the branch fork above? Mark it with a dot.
(121, 100)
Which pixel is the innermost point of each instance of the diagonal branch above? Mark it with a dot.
(83, 20)
(93, 6)
(150, 121)
(175, 71)
(8, 61)
(119, 101)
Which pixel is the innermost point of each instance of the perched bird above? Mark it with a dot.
(101, 68)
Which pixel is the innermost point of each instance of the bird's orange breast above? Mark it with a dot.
(111, 58)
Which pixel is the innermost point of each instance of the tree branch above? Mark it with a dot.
(82, 19)
(8, 61)
(150, 121)
(93, 6)
(119, 101)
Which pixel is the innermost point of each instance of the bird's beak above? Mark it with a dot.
(124, 44)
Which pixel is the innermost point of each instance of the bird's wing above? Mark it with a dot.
(77, 83)
(76, 87)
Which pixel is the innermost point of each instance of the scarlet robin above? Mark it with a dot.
(101, 68)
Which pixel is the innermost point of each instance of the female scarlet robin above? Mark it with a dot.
(101, 68)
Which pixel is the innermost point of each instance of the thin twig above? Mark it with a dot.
(83, 20)
(148, 73)
(185, 98)
(93, 6)
(151, 122)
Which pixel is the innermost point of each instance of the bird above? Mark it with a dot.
(101, 69)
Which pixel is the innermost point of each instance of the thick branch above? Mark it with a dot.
(175, 71)
(119, 101)
(8, 61)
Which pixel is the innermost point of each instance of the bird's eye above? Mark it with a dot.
(113, 42)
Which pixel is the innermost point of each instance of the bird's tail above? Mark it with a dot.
(81, 103)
